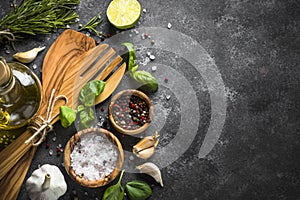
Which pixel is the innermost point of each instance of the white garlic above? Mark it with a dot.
(28, 56)
(46, 183)
(152, 170)
(145, 148)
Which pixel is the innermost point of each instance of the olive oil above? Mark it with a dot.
(20, 95)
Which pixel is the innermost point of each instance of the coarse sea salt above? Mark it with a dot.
(94, 157)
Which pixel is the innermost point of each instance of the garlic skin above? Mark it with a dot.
(28, 56)
(46, 183)
(145, 148)
(152, 170)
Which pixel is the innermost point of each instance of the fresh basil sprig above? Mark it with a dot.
(87, 97)
(148, 82)
(114, 192)
(138, 190)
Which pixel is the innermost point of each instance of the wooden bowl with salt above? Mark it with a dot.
(93, 157)
(130, 112)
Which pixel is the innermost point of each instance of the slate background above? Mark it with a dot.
(255, 45)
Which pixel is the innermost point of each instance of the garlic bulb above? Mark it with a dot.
(28, 56)
(152, 170)
(46, 183)
(145, 148)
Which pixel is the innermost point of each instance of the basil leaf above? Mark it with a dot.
(146, 79)
(114, 192)
(90, 91)
(86, 117)
(130, 61)
(67, 116)
(138, 190)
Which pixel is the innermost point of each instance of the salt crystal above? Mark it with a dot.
(39, 165)
(87, 34)
(144, 10)
(68, 26)
(148, 53)
(168, 97)
(80, 25)
(54, 139)
(7, 52)
(131, 157)
(154, 68)
(77, 20)
(152, 42)
(137, 32)
(50, 152)
(34, 66)
(130, 35)
(152, 57)
(169, 25)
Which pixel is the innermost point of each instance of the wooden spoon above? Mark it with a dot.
(63, 52)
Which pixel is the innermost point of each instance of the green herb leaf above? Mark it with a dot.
(67, 116)
(114, 192)
(86, 117)
(149, 82)
(138, 190)
(131, 56)
(34, 17)
(90, 91)
(92, 24)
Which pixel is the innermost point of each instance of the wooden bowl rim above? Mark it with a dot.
(128, 92)
(76, 139)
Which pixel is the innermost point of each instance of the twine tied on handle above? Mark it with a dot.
(42, 126)
(8, 35)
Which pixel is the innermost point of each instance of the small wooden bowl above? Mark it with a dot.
(70, 147)
(142, 96)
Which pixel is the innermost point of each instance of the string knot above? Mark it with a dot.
(41, 126)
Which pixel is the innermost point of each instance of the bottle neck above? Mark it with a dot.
(7, 80)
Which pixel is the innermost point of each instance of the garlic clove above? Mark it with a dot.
(28, 56)
(145, 153)
(145, 147)
(152, 170)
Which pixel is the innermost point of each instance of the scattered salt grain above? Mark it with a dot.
(168, 97)
(50, 152)
(148, 53)
(54, 139)
(154, 68)
(34, 66)
(144, 10)
(131, 158)
(169, 25)
(68, 26)
(152, 57)
(152, 42)
(88, 34)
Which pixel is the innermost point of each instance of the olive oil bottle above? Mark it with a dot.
(20, 95)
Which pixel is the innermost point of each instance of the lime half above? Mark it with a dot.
(124, 14)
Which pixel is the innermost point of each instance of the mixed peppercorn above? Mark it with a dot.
(130, 112)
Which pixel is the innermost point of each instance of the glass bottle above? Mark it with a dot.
(20, 95)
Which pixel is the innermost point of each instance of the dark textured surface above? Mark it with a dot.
(255, 45)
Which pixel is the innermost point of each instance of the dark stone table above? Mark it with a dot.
(228, 116)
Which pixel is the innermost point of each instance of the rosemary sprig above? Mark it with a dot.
(34, 17)
(92, 24)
